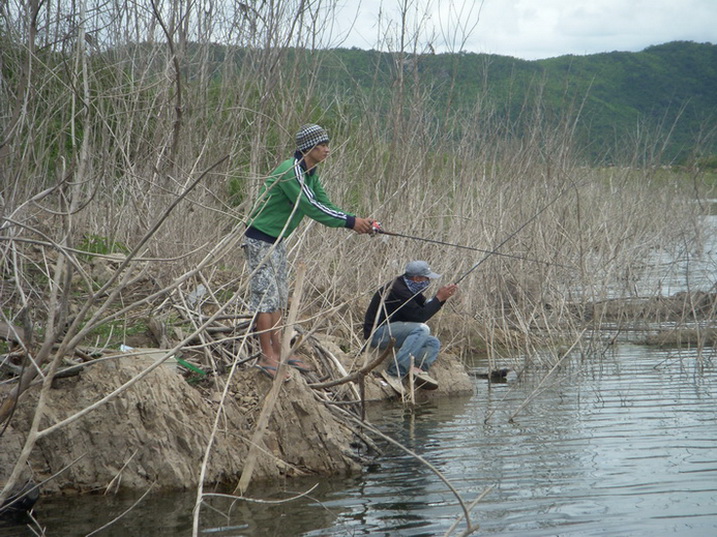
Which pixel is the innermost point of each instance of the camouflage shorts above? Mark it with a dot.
(269, 290)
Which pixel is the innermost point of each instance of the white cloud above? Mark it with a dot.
(589, 26)
(533, 29)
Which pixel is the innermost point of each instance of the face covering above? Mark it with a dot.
(416, 287)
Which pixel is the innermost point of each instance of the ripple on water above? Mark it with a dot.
(629, 450)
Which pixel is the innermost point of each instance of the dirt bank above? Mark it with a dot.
(156, 433)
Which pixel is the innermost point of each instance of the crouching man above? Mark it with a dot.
(399, 310)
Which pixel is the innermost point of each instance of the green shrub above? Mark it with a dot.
(708, 163)
(96, 244)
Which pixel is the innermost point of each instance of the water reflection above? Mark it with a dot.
(413, 500)
(617, 447)
(624, 445)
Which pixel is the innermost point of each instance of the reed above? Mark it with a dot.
(128, 108)
(130, 119)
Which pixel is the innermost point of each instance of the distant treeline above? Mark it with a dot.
(660, 103)
(664, 96)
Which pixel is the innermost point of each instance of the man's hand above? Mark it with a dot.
(446, 292)
(363, 225)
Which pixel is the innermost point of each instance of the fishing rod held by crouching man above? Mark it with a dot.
(377, 228)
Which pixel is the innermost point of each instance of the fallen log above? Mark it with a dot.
(356, 374)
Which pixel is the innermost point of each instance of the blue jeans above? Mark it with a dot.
(412, 339)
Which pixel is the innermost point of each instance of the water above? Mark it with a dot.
(684, 267)
(624, 445)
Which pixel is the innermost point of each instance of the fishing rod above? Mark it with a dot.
(378, 229)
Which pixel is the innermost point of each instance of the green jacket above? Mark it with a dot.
(277, 202)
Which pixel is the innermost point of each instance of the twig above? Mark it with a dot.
(475, 502)
(210, 443)
(542, 381)
(41, 483)
(270, 401)
(123, 513)
(256, 500)
(356, 374)
(431, 467)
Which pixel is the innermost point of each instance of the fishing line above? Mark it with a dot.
(464, 247)
(514, 233)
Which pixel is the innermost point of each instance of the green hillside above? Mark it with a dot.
(662, 100)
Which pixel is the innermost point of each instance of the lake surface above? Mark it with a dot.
(621, 445)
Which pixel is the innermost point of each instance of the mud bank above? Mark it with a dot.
(157, 432)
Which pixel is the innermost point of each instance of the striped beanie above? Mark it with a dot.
(309, 136)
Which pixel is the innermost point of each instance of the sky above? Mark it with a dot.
(530, 29)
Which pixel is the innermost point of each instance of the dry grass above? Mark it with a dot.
(118, 136)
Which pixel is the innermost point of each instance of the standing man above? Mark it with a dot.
(399, 310)
(291, 191)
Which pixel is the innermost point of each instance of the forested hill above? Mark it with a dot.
(660, 103)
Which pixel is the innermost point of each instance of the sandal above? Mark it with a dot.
(269, 371)
(298, 364)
